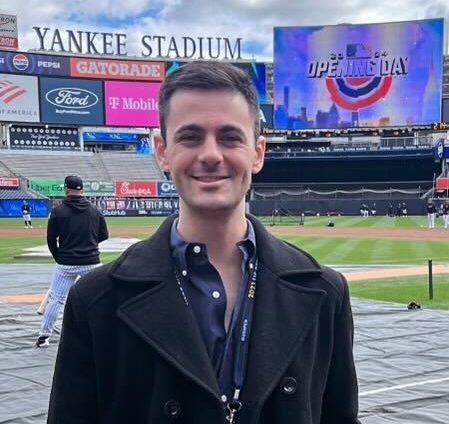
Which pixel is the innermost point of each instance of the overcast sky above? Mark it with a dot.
(250, 20)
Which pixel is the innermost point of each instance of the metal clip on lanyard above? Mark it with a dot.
(233, 407)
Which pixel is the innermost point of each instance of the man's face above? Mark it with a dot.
(210, 149)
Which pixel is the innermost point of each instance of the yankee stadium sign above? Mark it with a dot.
(155, 46)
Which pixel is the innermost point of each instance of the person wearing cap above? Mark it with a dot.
(26, 214)
(431, 212)
(446, 214)
(74, 230)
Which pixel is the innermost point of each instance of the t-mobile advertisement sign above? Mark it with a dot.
(132, 104)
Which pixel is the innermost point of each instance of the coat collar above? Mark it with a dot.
(151, 259)
(161, 318)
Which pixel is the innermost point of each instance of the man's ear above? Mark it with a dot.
(260, 155)
(160, 147)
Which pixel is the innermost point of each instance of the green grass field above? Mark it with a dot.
(367, 251)
(405, 291)
(328, 250)
(336, 251)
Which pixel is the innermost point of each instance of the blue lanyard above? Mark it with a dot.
(241, 354)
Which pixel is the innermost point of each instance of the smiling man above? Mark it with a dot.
(212, 319)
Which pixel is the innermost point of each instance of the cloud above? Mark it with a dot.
(251, 20)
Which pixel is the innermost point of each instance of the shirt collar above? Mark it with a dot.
(179, 246)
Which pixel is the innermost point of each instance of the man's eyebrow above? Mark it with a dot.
(189, 127)
(229, 128)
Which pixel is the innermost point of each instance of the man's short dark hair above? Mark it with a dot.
(208, 76)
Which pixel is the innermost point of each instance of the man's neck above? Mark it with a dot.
(219, 232)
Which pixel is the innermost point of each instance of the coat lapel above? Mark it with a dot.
(284, 313)
(163, 320)
(159, 315)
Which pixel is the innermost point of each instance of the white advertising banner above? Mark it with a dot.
(19, 98)
(8, 32)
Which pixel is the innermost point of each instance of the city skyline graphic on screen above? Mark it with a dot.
(369, 75)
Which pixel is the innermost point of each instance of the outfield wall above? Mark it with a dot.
(334, 206)
(347, 167)
(40, 208)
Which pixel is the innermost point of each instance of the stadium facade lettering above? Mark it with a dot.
(154, 46)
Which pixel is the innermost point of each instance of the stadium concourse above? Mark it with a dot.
(402, 356)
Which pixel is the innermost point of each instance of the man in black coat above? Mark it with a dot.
(211, 320)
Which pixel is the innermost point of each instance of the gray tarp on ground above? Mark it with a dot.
(402, 358)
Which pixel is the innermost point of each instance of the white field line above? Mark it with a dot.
(403, 386)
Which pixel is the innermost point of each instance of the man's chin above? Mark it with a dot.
(212, 206)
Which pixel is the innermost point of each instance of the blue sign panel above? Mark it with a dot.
(34, 64)
(166, 189)
(445, 117)
(71, 101)
(142, 141)
(111, 137)
(13, 208)
(266, 116)
(446, 152)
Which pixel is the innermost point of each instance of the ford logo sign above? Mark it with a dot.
(72, 98)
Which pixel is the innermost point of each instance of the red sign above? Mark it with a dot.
(442, 183)
(136, 188)
(117, 69)
(9, 182)
(9, 43)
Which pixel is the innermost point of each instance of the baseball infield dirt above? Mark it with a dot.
(409, 234)
(396, 233)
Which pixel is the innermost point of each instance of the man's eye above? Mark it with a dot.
(189, 138)
(231, 138)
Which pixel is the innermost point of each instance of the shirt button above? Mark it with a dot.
(215, 294)
(184, 273)
(224, 398)
(197, 249)
(251, 266)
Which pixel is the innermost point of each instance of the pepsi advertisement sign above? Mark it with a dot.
(166, 189)
(347, 76)
(34, 64)
(71, 101)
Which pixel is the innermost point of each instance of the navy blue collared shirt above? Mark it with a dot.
(205, 292)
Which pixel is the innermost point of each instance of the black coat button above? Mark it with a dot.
(172, 408)
(288, 385)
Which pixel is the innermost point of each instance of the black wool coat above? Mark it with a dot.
(131, 350)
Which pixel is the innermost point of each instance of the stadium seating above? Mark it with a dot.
(7, 194)
(104, 166)
(126, 166)
(5, 171)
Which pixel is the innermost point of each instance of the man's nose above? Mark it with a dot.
(210, 152)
